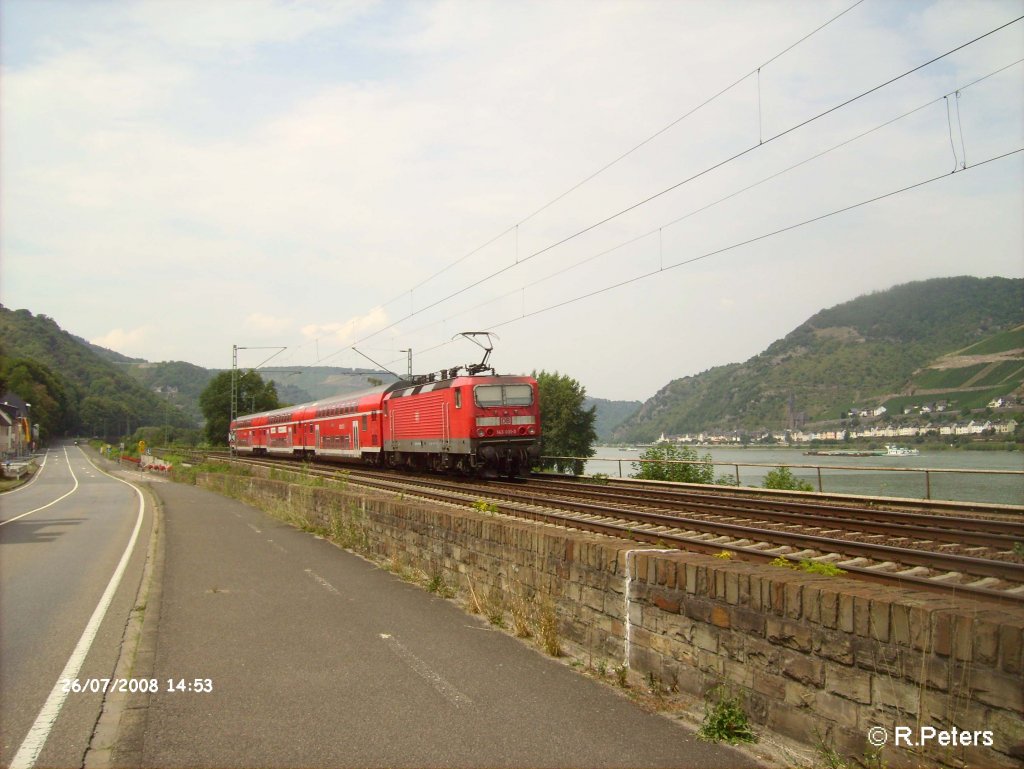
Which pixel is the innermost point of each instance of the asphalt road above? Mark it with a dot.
(62, 538)
(316, 658)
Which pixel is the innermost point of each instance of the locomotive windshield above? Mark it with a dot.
(488, 396)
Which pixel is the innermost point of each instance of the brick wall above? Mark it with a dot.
(821, 660)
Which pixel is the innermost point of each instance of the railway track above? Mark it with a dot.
(973, 554)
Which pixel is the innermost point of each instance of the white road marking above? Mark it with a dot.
(424, 671)
(31, 480)
(40, 730)
(253, 528)
(50, 504)
(323, 582)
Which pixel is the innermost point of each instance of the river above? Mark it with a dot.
(873, 476)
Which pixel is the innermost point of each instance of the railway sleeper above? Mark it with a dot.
(985, 582)
(827, 558)
(804, 555)
(915, 571)
(857, 562)
(883, 566)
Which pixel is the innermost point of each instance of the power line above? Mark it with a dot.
(701, 209)
(624, 155)
(693, 177)
(749, 241)
(765, 179)
(658, 230)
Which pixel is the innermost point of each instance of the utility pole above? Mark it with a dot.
(234, 372)
(409, 362)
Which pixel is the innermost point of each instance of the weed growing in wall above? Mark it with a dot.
(621, 674)
(522, 611)
(438, 586)
(495, 606)
(547, 628)
(725, 720)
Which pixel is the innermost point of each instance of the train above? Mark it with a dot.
(473, 423)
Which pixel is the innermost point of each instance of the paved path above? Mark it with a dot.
(318, 658)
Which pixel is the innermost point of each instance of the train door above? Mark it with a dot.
(316, 438)
(355, 434)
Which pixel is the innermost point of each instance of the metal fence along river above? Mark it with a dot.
(996, 477)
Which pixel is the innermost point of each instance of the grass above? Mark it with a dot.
(948, 379)
(1009, 372)
(494, 607)
(523, 614)
(547, 628)
(1001, 342)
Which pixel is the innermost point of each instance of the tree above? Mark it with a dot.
(679, 464)
(254, 395)
(567, 428)
(52, 408)
(783, 478)
(102, 416)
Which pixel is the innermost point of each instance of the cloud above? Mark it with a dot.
(127, 342)
(272, 162)
(350, 331)
(238, 24)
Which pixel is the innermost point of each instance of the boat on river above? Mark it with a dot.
(901, 451)
(843, 453)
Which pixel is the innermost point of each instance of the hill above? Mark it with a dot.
(610, 414)
(77, 387)
(952, 339)
(315, 382)
(72, 387)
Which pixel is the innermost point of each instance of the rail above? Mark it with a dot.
(928, 472)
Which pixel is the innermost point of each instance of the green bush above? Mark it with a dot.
(679, 464)
(783, 478)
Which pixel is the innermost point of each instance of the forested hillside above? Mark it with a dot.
(610, 414)
(71, 387)
(76, 387)
(868, 351)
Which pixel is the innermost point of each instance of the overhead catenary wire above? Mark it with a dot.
(740, 244)
(659, 230)
(623, 156)
(693, 177)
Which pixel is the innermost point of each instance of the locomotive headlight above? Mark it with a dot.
(480, 432)
(532, 431)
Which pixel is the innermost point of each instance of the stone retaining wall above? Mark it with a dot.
(823, 660)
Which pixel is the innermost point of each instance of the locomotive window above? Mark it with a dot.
(364, 421)
(518, 395)
(458, 397)
(503, 395)
(488, 395)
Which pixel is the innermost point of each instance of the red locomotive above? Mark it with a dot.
(474, 423)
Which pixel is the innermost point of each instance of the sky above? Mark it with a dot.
(624, 192)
